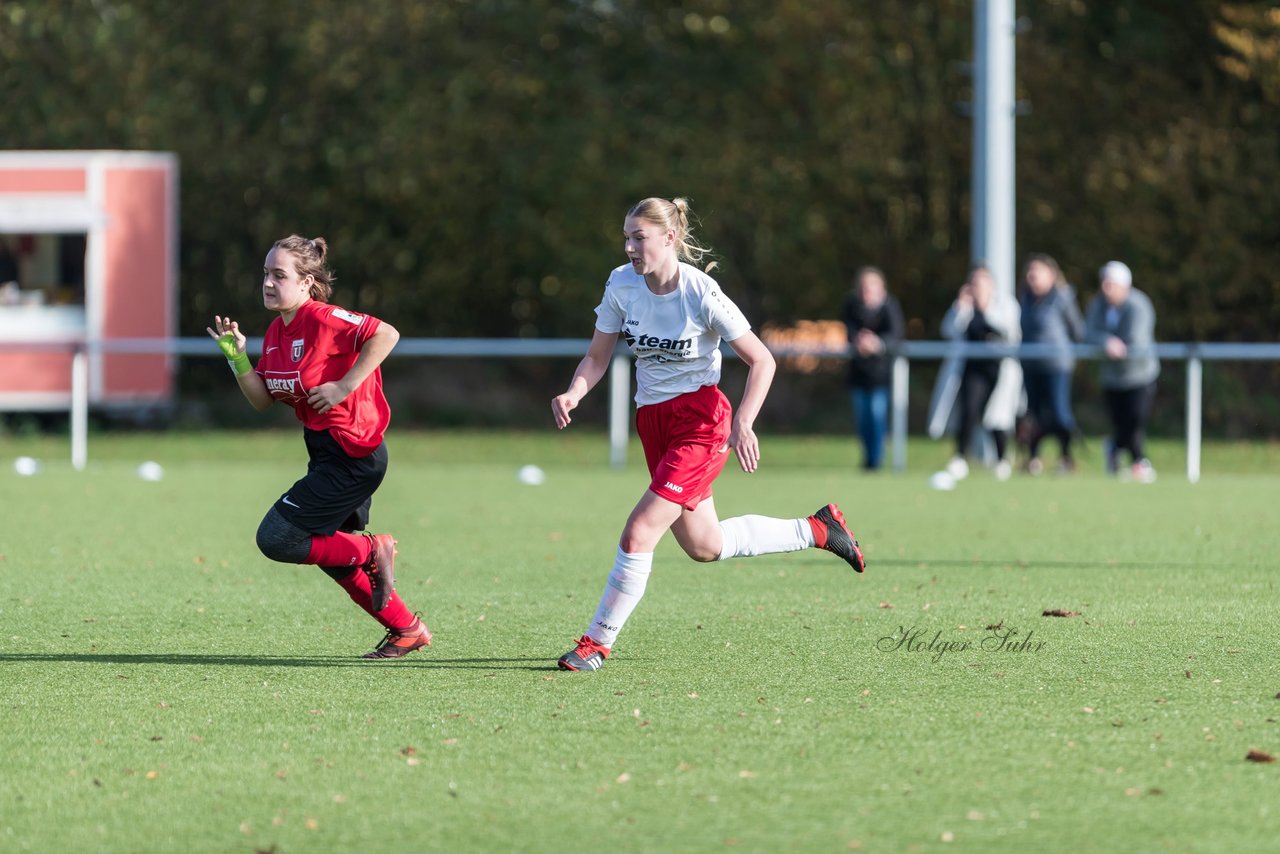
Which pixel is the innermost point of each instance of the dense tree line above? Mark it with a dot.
(470, 161)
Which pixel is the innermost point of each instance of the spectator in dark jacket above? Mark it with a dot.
(874, 320)
(1049, 316)
(1122, 321)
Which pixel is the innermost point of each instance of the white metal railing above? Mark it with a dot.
(1193, 354)
(620, 372)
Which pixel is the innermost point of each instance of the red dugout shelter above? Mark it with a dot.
(88, 253)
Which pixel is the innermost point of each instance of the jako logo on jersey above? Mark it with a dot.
(296, 352)
(671, 486)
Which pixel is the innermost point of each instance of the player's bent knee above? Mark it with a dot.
(632, 544)
(639, 539)
(281, 540)
(702, 554)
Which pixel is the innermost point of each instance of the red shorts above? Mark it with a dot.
(682, 440)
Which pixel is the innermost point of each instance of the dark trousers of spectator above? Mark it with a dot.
(1049, 403)
(871, 412)
(976, 385)
(1130, 410)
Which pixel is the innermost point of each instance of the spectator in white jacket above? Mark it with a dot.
(990, 389)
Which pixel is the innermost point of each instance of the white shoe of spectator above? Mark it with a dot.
(958, 468)
(1003, 470)
(1143, 472)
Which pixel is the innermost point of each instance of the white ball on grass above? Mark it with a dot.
(531, 475)
(151, 470)
(26, 466)
(942, 481)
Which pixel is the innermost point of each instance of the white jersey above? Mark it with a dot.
(674, 337)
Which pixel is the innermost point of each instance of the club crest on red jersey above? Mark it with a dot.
(296, 352)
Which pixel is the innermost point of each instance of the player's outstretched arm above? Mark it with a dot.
(231, 341)
(373, 352)
(589, 372)
(760, 370)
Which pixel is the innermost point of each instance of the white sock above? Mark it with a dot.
(747, 536)
(621, 594)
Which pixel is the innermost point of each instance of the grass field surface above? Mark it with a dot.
(166, 688)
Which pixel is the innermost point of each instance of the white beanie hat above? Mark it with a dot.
(1117, 271)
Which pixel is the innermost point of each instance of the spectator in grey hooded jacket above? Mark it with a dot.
(1122, 321)
(1050, 316)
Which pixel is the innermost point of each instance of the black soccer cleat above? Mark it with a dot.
(587, 655)
(398, 644)
(831, 533)
(381, 568)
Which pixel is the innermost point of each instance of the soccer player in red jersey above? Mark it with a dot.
(325, 362)
(673, 316)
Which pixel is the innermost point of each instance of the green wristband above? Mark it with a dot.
(238, 361)
(240, 364)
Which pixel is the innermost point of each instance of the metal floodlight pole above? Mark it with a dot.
(992, 228)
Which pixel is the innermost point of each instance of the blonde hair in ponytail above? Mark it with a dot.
(674, 215)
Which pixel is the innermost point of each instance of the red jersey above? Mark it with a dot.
(320, 346)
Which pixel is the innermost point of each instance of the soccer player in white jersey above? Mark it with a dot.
(674, 316)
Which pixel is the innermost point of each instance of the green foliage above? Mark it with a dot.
(471, 161)
(1139, 147)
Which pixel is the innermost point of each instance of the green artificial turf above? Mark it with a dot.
(165, 688)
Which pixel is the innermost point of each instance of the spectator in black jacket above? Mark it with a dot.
(1050, 315)
(874, 320)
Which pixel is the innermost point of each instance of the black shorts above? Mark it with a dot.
(337, 490)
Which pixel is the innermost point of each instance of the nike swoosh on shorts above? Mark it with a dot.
(286, 500)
